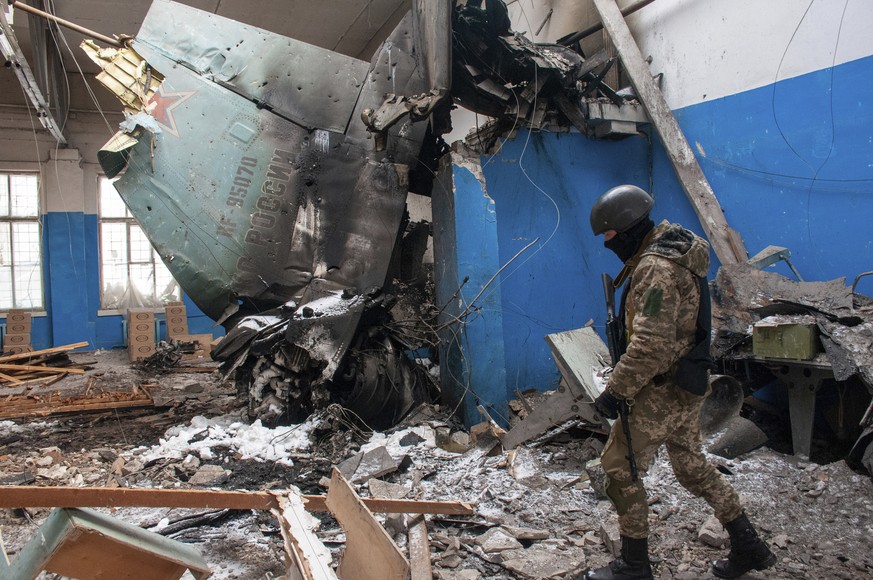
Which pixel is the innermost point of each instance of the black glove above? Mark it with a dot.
(607, 404)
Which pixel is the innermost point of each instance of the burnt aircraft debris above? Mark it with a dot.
(271, 176)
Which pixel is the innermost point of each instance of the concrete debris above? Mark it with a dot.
(497, 540)
(518, 530)
(363, 466)
(544, 561)
(526, 533)
(712, 533)
(384, 489)
(611, 536)
(209, 476)
(524, 468)
(453, 441)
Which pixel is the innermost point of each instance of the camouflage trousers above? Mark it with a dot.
(663, 414)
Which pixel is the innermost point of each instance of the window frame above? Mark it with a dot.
(129, 221)
(37, 220)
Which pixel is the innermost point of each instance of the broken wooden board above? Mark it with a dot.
(38, 353)
(16, 406)
(576, 353)
(305, 556)
(419, 549)
(25, 496)
(87, 544)
(4, 559)
(370, 553)
(41, 369)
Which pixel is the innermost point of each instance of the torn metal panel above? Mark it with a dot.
(126, 74)
(580, 355)
(310, 86)
(741, 289)
(432, 31)
(254, 179)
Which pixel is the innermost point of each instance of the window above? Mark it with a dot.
(20, 255)
(131, 272)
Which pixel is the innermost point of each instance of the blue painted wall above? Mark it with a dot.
(540, 186)
(792, 166)
(71, 278)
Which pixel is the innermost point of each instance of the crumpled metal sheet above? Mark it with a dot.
(308, 85)
(743, 294)
(740, 290)
(263, 191)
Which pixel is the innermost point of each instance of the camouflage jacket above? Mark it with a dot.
(661, 306)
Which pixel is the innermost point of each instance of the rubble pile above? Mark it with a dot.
(538, 509)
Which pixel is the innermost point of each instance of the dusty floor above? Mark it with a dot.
(537, 513)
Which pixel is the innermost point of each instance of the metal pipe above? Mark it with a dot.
(68, 24)
(568, 40)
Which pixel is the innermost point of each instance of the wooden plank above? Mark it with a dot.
(726, 242)
(4, 559)
(11, 411)
(35, 353)
(21, 496)
(311, 560)
(419, 549)
(370, 553)
(10, 379)
(42, 369)
(316, 503)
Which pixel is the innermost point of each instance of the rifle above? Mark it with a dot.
(613, 342)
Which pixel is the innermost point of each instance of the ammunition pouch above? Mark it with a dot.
(692, 371)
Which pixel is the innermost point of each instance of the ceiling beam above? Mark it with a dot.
(12, 52)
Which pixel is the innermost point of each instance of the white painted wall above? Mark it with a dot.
(709, 49)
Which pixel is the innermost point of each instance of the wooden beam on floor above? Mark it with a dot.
(18, 496)
(35, 368)
(36, 353)
(419, 549)
(17, 409)
(370, 553)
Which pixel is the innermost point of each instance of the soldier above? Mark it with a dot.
(662, 378)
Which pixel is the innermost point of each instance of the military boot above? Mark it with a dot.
(633, 564)
(748, 551)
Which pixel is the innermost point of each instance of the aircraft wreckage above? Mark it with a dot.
(271, 176)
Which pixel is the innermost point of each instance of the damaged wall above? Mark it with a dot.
(775, 102)
(539, 185)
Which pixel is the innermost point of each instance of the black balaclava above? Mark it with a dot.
(625, 244)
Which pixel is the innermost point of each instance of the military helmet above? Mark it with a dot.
(620, 208)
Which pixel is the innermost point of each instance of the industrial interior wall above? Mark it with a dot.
(775, 99)
(536, 190)
(70, 240)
